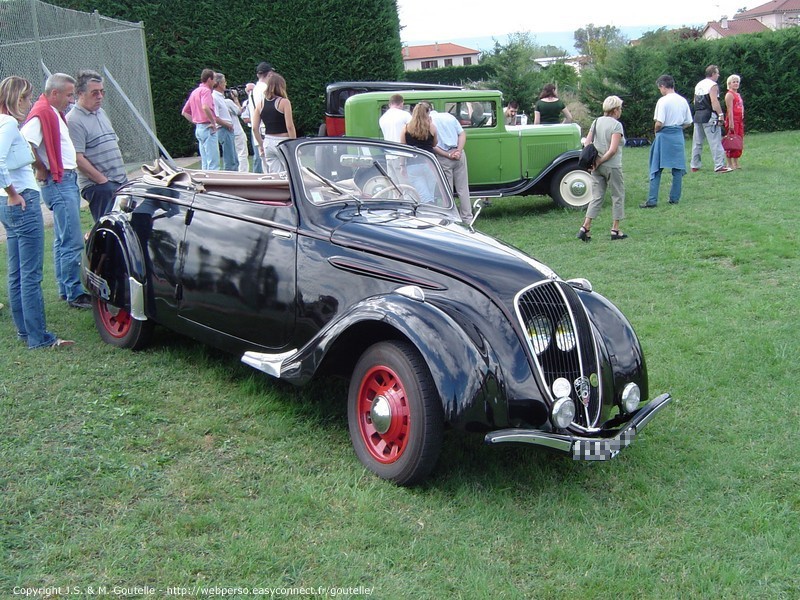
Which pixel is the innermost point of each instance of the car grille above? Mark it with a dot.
(558, 303)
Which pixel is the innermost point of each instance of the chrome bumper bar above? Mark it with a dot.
(585, 448)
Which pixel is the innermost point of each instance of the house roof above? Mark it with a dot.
(436, 51)
(776, 6)
(736, 26)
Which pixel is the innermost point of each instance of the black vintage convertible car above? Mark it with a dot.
(366, 270)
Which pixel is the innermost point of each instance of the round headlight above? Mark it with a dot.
(540, 333)
(565, 334)
(631, 396)
(563, 412)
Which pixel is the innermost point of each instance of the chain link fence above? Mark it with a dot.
(37, 39)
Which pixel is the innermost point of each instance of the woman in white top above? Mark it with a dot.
(21, 216)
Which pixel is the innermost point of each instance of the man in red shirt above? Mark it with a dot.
(199, 109)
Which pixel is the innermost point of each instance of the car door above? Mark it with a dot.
(238, 279)
(492, 152)
(158, 218)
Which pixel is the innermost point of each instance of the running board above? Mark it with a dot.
(271, 364)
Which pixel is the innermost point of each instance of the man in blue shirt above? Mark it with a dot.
(453, 160)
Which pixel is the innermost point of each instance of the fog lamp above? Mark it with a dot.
(563, 412)
(631, 396)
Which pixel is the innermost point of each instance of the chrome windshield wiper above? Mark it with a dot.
(332, 186)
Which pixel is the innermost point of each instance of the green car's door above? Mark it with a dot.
(493, 154)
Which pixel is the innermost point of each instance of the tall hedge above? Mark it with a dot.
(310, 43)
(767, 63)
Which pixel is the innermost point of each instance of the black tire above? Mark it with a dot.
(118, 328)
(391, 380)
(571, 186)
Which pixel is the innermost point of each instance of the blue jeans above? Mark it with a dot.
(229, 157)
(208, 144)
(25, 234)
(100, 198)
(64, 200)
(674, 190)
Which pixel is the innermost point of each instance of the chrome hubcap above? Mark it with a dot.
(381, 414)
(578, 188)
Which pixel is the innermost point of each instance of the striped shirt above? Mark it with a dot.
(93, 136)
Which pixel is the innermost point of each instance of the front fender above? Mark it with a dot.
(468, 376)
(618, 341)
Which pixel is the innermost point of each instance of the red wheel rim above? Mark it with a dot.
(118, 325)
(383, 387)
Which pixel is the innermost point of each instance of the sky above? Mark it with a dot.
(427, 21)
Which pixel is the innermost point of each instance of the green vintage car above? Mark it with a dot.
(503, 160)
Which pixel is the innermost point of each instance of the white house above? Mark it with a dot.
(777, 14)
(435, 56)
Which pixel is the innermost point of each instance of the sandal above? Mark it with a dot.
(583, 234)
(616, 234)
(59, 343)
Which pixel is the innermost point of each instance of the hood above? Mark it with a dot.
(438, 244)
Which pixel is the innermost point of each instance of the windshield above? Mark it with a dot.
(363, 172)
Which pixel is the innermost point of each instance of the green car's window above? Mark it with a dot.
(474, 114)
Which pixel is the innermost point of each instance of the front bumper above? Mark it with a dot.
(586, 448)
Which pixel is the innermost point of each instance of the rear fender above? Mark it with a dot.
(114, 264)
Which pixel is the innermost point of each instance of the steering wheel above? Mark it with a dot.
(375, 185)
(389, 193)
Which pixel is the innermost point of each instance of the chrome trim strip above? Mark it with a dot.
(271, 364)
(137, 299)
(411, 291)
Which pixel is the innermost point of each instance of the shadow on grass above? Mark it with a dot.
(321, 406)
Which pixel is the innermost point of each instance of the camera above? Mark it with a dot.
(238, 91)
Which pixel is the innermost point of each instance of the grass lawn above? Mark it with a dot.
(180, 467)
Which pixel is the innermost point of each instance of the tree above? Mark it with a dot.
(516, 73)
(598, 42)
(662, 36)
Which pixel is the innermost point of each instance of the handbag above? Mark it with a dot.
(588, 155)
(732, 142)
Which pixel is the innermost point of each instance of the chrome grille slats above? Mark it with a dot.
(553, 300)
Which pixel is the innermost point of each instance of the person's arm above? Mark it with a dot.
(256, 123)
(729, 110)
(567, 115)
(403, 136)
(212, 119)
(714, 95)
(658, 126)
(536, 117)
(7, 134)
(287, 115)
(87, 168)
(462, 140)
(435, 135)
(612, 149)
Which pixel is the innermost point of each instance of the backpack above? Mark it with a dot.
(588, 155)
